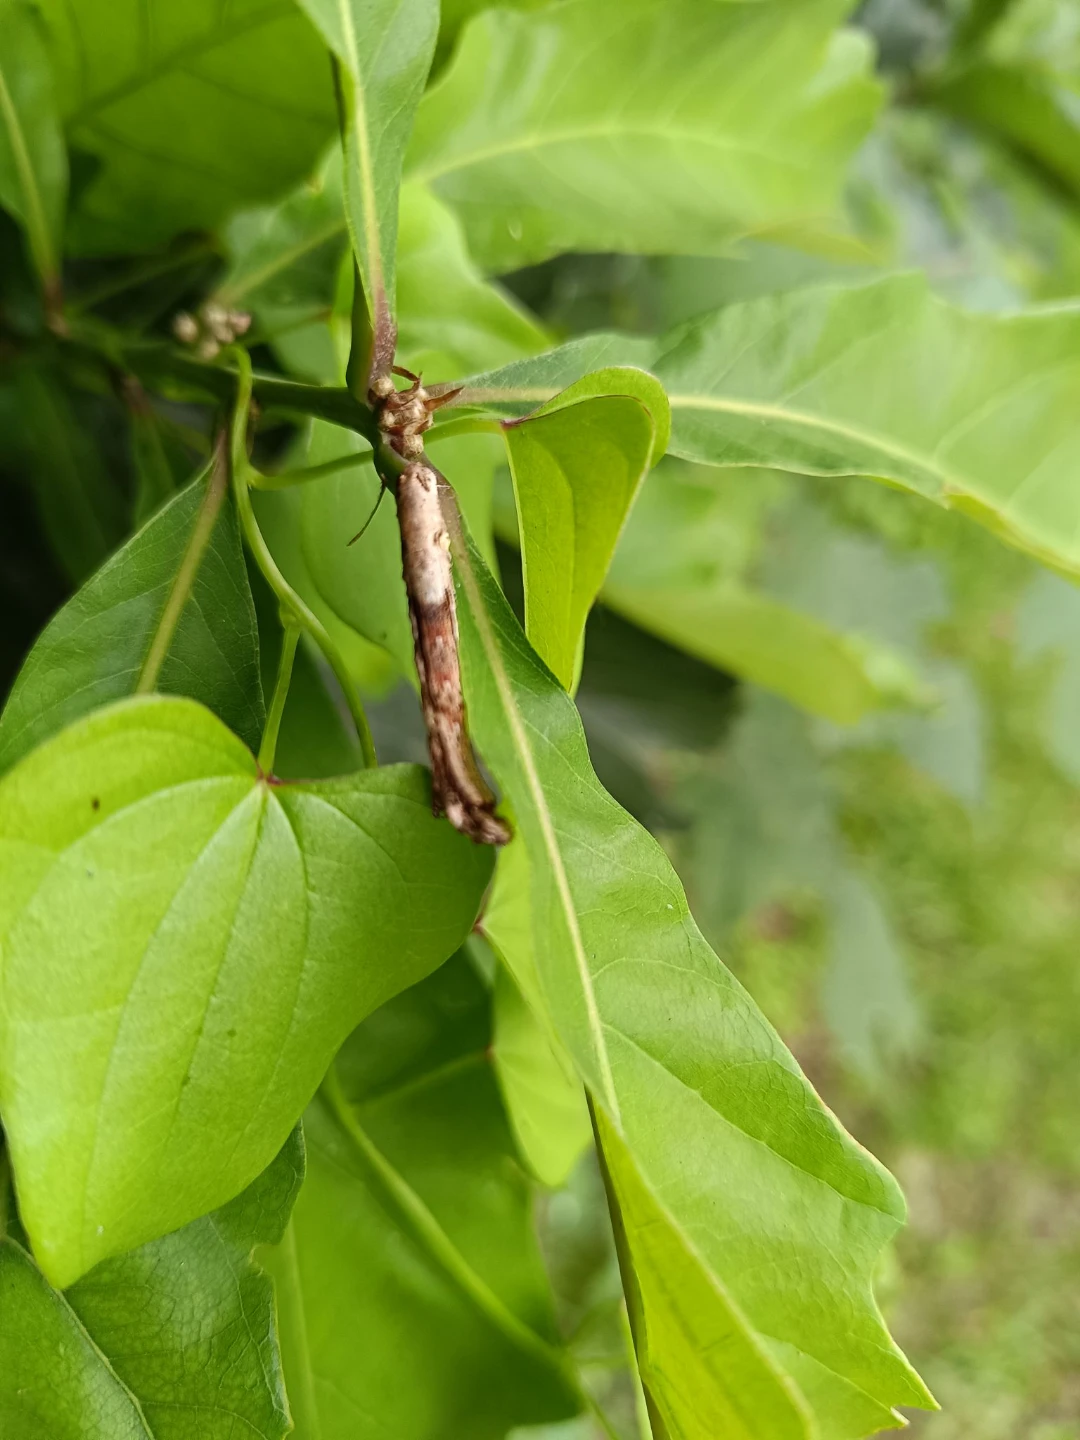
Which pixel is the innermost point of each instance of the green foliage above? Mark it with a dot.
(760, 1161)
(440, 1324)
(578, 463)
(167, 1342)
(33, 161)
(178, 139)
(176, 596)
(592, 152)
(385, 49)
(219, 964)
(565, 1178)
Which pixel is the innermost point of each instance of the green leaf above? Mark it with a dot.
(544, 1099)
(286, 263)
(185, 946)
(33, 161)
(172, 1340)
(385, 47)
(577, 464)
(973, 411)
(177, 590)
(643, 128)
(886, 380)
(285, 259)
(191, 112)
(776, 1211)
(80, 506)
(703, 1370)
(683, 572)
(411, 1294)
(445, 306)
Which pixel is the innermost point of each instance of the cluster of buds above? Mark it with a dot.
(212, 328)
(406, 415)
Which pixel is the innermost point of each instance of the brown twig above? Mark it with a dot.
(459, 791)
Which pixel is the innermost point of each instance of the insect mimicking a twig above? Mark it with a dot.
(458, 789)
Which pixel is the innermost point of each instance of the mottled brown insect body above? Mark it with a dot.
(458, 789)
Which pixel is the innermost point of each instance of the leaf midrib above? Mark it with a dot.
(414, 1216)
(639, 131)
(377, 277)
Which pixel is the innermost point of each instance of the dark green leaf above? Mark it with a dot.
(173, 1341)
(33, 161)
(191, 110)
(80, 505)
(410, 1290)
(643, 127)
(773, 1209)
(96, 648)
(185, 946)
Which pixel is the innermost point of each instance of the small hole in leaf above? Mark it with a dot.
(95, 803)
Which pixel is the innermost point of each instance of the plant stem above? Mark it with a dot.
(292, 605)
(300, 476)
(162, 368)
(203, 529)
(268, 748)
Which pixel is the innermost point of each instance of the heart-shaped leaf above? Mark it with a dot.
(175, 1339)
(184, 946)
(177, 596)
(577, 464)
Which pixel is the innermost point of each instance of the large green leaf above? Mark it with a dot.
(385, 48)
(577, 464)
(411, 1295)
(33, 161)
(775, 1211)
(643, 127)
(177, 591)
(185, 945)
(973, 411)
(192, 110)
(174, 1340)
(886, 380)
